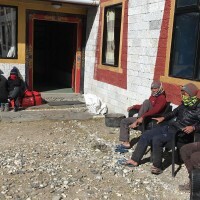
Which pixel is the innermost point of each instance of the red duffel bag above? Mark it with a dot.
(31, 98)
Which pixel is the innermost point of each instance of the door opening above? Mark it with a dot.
(54, 54)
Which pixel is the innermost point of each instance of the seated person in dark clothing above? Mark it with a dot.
(15, 86)
(187, 120)
(190, 154)
(3, 92)
(154, 105)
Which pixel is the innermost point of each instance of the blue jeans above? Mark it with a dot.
(157, 138)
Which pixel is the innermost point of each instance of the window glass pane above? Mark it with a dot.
(8, 44)
(182, 3)
(184, 47)
(111, 35)
(198, 73)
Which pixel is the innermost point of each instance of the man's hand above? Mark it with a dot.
(136, 123)
(139, 120)
(133, 125)
(159, 119)
(188, 129)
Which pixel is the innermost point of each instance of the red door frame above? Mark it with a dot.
(76, 71)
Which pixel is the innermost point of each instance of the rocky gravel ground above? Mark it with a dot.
(75, 160)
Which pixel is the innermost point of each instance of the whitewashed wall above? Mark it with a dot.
(144, 23)
(6, 67)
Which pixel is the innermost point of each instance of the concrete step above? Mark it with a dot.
(61, 97)
(51, 97)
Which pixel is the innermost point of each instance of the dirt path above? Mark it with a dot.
(53, 160)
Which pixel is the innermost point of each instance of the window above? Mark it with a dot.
(185, 52)
(8, 32)
(183, 3)
(111, 52)
(111, 35)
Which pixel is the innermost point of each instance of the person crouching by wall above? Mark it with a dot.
(15, 86)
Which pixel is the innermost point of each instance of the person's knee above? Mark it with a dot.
(125, 122)
(145, 137)
(183, 150)
(157, 141)
(195, 159)
(146, 102)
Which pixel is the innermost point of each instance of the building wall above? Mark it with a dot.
(7, 64)
(6, 67)
(144, 23)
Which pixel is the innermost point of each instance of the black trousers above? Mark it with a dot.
(157, 138)
(15, 94)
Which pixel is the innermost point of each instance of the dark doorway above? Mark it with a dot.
(54, 53)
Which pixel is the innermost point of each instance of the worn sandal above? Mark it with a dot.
(156, 171)
(121, 150)
(121, 146)
(124, 162)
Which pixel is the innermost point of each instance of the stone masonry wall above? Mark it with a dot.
(144, 22)
(145, 18)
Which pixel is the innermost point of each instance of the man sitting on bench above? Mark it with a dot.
(187, 120)
(154, 105)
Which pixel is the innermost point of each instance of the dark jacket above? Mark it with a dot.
(3, 89)
(11, 84)
(185, 116)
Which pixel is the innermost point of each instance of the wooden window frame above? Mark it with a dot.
(118, 68)
(181, 11)
(16, 33)
(166, 78)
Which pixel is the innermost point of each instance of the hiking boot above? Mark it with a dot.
(156, 171)
(7, 107)
(16, 109)
(2, 107)
(185, 187)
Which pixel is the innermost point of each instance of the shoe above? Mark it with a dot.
(156, 171)
(16, 109)
(125, 163)
(2, 107)
(121, 150)
(121, 146)
(7, 107)
(185, 187)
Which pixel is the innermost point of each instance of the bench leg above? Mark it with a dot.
(173, 156)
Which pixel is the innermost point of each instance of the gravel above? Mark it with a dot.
(75, 160)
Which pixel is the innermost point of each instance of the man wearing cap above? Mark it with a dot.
(190, 154)
(186, 120)
(154, 105)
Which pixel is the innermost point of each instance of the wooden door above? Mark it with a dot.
(76, 72)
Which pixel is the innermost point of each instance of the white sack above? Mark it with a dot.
(95, 104)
